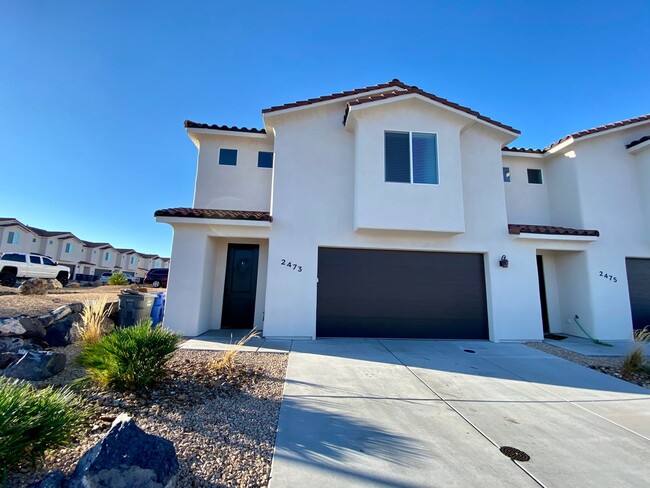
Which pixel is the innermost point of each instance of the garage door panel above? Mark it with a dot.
(638, 280)
(368, 293)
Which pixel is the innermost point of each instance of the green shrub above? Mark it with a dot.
(33, 421)
(118, 279)
(130, 358)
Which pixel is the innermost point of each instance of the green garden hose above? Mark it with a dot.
(595, 341)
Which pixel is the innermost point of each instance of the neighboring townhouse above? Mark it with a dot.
(388, 211)
(16, 237)
(82, 257)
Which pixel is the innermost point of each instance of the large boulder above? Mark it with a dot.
(127, 457)
(33, 327)
(14, 344)
(61, 333)
(6, 358)
(38, 286)
(56, 479)
(36, 365)
(11, 327)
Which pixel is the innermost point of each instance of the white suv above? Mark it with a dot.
(15, 265)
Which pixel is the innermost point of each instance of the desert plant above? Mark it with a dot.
(33, 421)
(93, 318)
(227, 364)
(131, 357)
(633, 362)
(118, 279)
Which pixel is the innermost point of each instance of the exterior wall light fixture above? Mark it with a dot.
(503, 262)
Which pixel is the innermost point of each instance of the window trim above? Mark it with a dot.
(410, 133)
(228, 149)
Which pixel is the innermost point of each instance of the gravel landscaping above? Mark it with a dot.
(607, 365)
(13, 304)
(223, 426)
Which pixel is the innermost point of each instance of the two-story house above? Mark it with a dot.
(387, 211)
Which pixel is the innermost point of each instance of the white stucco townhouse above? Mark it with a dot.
(387, 211)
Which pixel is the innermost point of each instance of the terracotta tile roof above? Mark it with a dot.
(96, 244)
(522, 150)
(409, 90)
(47, 233)
(196, 125)
(334, 96)
(207, 213)
(517, 229)
(637, 142)
(602, 128)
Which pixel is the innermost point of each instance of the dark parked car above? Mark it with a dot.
(157, 277)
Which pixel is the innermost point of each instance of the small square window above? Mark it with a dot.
(228, 157)
(506, 174)
(264, 159)
(535, 176)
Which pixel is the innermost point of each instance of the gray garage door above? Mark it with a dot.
(400, 294)
(638, 281)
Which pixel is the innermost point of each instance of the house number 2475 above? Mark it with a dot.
(291, 265)
(608, 276)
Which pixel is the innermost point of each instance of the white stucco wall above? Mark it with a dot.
(315, 171)
(527, 203)
(405, 206)
(240, 187)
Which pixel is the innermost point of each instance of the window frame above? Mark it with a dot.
(13, 237)
(541, 176)
(228, 149)
(410, 133)
(506, 174)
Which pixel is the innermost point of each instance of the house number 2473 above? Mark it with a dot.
(291, 265)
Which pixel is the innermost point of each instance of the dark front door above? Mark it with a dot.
(241, 284)
(400, 294)
(542, 293)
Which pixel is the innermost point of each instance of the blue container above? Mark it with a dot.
(158, 308)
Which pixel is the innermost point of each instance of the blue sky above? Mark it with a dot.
(93, 94)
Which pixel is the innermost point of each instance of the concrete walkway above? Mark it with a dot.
(434, 413)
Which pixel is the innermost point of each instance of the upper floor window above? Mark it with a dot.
(68, 248)
(13, 238)
(411, 157)
(107, 256)
(132, 259)
(506, 174)
(535, 176)
(264, 159)
(228, 157)
(51, 242)
(33, 239)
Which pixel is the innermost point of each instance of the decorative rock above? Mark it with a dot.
(35, 286)
(14, 344)
(11, 327)
(97, 283)
(11, 344)
(60, 334)
(33, 327)
(36, 365)
(73, 284)
(6, 358)
(76, 307)
(55, 284)
(58, 313)
(55, 479)
(127, 457)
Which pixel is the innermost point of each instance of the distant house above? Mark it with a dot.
(387, 211)
(82, 257)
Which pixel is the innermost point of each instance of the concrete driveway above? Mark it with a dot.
(427, 413)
